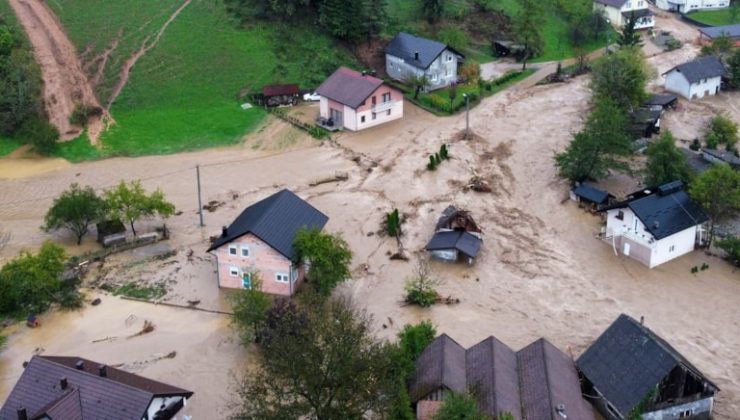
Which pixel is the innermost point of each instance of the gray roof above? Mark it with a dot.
(119, 395)
(662, 100)
(701, 68)
(529, 384)
(696, 162)
(591, 194)
(349, 87)
(462, 241)
(733, 31)
(405, 46)
(628, 360)
(639, 13)
(613, 3)
(723, 155)
(275, 220)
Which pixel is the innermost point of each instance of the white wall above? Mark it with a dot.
(323, 107)
(689, 5)
(681, 243)
(157, 403)
(615, 15)
(676, 83)
(381, 117)
(350, 118)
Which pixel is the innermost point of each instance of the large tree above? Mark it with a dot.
(629, 37)
(457, 406)
(717, 190)
(329, 257)
(75, 209)
(432, 9)
(733, 67)
(597, 148)
(528, 23)
(28, 283)
(622, 77)
(131, 202)
(319, 362)
(665, 162)
(721, 130)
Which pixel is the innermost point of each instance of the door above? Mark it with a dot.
(337, 118)
(246, 282)
(626, 250)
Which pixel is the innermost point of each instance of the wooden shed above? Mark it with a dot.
(276, 95)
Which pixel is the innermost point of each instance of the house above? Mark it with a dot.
(536, 382)
(355, 101)
(456, 236)
(260, 240)
(657, 226)
(685, 6)
(721, 156)
(590, 196)
(696, 78)
(708, 35)
(408, 56)
(629, 366)
(60, 387)
(276, 95)
(619, 12)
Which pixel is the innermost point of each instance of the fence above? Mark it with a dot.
(312, 129)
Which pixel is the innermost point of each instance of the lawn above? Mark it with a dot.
(8, 145)
(185, 93)
(716, 17)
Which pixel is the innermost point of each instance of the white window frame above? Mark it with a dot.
(232, 250)
(389, 97)
(375, 115)
(244, 248)
(233, 271)
(672, 248)
(278, 277)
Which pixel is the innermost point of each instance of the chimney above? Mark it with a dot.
(102, 371)
(22, 413)
(224, 231)
(80, 365)
(416, 56)
(63, 382)
(560, 409)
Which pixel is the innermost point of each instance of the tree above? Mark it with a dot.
(456, 406)
(720, 46)
(629, 37)
(419, 83)
(320, 362)
(731, 245)
(130, 202)
(721, 130)
(665, 162)
(621, 77)
(250, 308)
(717, 190)
(269, 9)
(595, 149)
(432, 9)
(329, 257)
(29, 283)
(733, 67)
(413, 339)
(75, 209)
(345, 19)
(420, 287)
(528, 23)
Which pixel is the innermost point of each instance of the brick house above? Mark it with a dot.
(260, 241)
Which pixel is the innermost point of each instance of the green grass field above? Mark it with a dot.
(716, 17)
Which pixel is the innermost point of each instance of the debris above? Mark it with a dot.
(178, 213)
(399, 256)
(105, 339)
(130, 320)
(193, 302)
(32, 321)
(96, 302)
(213, 205)
(339, 176)
(146, 329)
(449, 300)
(190, 254)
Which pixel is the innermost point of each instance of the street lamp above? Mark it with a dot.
(467, 114)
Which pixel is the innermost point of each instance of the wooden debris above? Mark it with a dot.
(339, 176)
(146, 329)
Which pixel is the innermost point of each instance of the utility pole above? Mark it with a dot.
(467, 114)
(200, 204)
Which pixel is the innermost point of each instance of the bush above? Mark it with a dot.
(695, 145)
(29, 284)
(420, 288)
(731, 245)
(432, 164)
(82, 113)
(673, 44)
(439, 102)
(413, 339)
(250, 308)
(454, 37)
(443, 153)
(722, 130)
(41, 135)
(393, 223)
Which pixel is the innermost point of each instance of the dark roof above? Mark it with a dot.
(276, 90)
(613, 3)
(529, 384)
(274, 220)
(464, 242)
(628, 360)
(405, 46)
(119, 395)
(440, 365)
(591, 194)
(732, 31)
(662, 100)
(701, 68)
(349, 87)
(724, 156)
(696, 162)
(639, 13)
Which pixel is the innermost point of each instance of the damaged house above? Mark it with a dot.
(456, 237)
(630, 372)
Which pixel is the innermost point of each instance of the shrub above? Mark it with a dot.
(420, 288)
(329, 257)
(82, 113)
(439, 102)
(673, 44)
(41, 135)
(454, 37)
(250, 308)
(731, 245)
(443, 153)
(470, 71)
(29, 284)
(694, 270)
(432, 164)
(695, 145)
(393, 223)
(724, 130)
(712, 140)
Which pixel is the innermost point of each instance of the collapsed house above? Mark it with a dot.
(456, 237)
(630, 372)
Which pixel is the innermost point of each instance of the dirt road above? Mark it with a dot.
(65, 84)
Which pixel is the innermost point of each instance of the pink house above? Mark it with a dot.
(355, 101)
(260, 241)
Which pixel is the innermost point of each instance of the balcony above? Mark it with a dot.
(383, 106)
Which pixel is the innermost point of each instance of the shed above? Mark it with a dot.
(644, 122)
(589, 194)
(661, 102)
(276, 95)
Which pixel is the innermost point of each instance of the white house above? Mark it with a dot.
(654, 227)
(408, 56)
(619, 11)
(696, 78)
(684, 6)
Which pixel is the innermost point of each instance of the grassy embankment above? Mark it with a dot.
(719, 17)
(184, 93)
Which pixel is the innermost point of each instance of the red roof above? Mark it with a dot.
(277, 90)
(349, 87)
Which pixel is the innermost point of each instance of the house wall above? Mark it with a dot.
(442, 72)
(684, 6)
(449, 255)
(326, 105)
(157, 402)
(384, 112)
(615, 15)
(676, 83)
(695, 410)
(262, 259)
(673, 246)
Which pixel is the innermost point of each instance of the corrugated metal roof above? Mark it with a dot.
(732, 31)
(406, 46)
(349, 87)
(275, 220)
(701, 68)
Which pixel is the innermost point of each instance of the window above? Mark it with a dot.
(374, 115)
(232, 249)
(245, 251)
(234, 271)
(620, 215)
(281, 277)
(434, 77)
(672, 248)
(388, 112)
(449, 57)
(374, 101)
(387, 97)
(246, 281)
(685, 414)
(362, 119)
